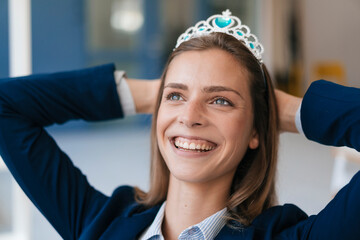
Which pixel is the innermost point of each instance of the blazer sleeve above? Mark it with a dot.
(330, 114)
(45, 173)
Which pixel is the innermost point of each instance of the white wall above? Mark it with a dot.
(304, 173)
(331, 31)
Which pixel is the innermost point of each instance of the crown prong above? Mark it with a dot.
(226, 13)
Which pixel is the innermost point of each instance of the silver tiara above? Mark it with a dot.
(228, 24)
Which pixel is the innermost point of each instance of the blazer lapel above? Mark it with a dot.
(130, 227)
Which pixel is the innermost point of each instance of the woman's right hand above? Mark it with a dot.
(144, 93)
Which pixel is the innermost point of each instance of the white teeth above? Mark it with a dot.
(192, 146)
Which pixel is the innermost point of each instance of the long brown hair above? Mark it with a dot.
(253, 186)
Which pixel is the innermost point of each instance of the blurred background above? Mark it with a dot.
(304, 41)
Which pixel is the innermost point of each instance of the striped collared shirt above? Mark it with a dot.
(205, 230)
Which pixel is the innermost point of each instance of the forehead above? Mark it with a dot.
(207, 67)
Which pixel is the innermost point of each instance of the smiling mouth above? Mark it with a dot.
(193, 145)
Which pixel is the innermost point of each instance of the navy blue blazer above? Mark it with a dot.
(330, 114)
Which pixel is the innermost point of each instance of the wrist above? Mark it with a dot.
(291, 112)
(144, 93)
(288, 106)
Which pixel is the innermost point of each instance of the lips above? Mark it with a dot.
(193, 144)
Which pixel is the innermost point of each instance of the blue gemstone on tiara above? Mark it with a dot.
(252, 45)
(240, 33)
(222, 22)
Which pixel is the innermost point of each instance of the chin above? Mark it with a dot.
(192, 173)
(189, 177)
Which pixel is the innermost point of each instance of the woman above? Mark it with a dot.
(214, 148)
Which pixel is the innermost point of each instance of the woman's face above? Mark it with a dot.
(205, 119)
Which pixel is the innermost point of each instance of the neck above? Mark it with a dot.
(190, 203)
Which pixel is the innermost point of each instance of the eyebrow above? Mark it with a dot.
(221, 89)
(177, 85)
(209, 89)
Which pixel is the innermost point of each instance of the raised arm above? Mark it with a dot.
(330, 114)
(45, 173)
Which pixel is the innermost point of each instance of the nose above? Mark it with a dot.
(192, 115)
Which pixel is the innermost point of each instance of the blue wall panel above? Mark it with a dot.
(58, 38)
(58, 35)
(4, 39)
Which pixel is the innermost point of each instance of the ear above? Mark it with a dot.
(254, 140)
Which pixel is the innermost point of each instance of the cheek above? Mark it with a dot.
(235, 128)
(159, 124)
(162, 123)
(237, 133)
(166, 116)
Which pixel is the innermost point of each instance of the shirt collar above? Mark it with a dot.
(155, 228)
(208, 228)
(211, 226)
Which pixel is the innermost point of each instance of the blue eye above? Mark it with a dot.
(222, 101)
(174, 97)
